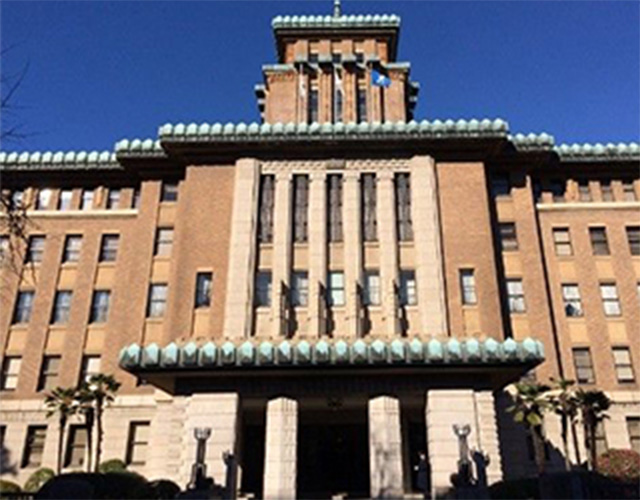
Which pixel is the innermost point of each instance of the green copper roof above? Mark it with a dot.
(254, 353)
(598, 152)
(50, 160)
(346, 22)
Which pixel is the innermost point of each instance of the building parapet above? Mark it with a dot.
(598, 152)
(60, 160)
(341, 22)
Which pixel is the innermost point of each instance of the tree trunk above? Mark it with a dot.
(576, 444)
(565, 442)
(590, 441)
(63, 424)
(89, 422)
(538, 448)
(96, 465)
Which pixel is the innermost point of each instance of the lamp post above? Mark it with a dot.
(199, 468)
(464, 464)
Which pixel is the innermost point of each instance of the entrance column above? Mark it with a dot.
(385, 448)
(281, 449)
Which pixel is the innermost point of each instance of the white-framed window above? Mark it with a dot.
(610, 300)
(109, 247)
(35, 249)
(76, 446)
(10, 372)
(64, 202)
(87, 199)
(113, 199)
(72, 247)
(515, 295)
(100, 306)
(468, 287)
(633, 238)
(49, 373)
(90, 366)
(583, 365)
(599, 243)
(263, 289)
(571, 299)
(371, 290)
(623, 365)
(61, 307)
(23, 307)
(408, 290)
(157, 302)
(335, 289)
(562, 241)
(164, 242)
(43, 201)
(300, 289)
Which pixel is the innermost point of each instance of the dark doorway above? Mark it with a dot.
(252, 454)
(333, 459)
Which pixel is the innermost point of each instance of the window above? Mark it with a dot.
(607, 192)
(164, 242)
(64, 202)
(169, 192)
(633, 237)
(584, 190)
(157, 300)
(403, 207)
(633, 427)
(468, 287)
(408, 291)
(300, 207)
(562, 241)
(601, 439)
(369, 209)
(49, 373)
(135, 199)
(87, 200)
(610, 301)
(371, 291)
(508, 236)
(24, 305)
(72, 247)
(335, 288)
(557, 188)
(10, 372)
(43, 201)
(100, 306)
(17, 199)
(313, 58)
(500, 185)
(138, 443)
(113, 199)
(359, 57)
(312, 104)
(266, 204)
(109, 247)
(61, 307)
(76, 446)
(583, 365)
(34, 446)
(599, 244)
(623, 365)
(203, 289)
(35, 249)
(361, 109)
(336, 58)
(571, 299)
(515, 296)
(337, 92)
(263, 289)
(300, 289)
(628, 191)
(335, 208)
(90, 367)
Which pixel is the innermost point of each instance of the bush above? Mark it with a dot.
(622, 465)
(38, 479)
(515, 488)
(113, 465)
(9, 487)
(110, 486)
(162, 489)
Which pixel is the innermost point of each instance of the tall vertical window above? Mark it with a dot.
(584, 190)
(468, 287)
(76, 446)
(169, 192)
(138, 443)
(606, 190)
(583, 365)
(601, 439)
(23, 307)
(337, 103)
(562, 241)
(64, 202)
(633, 237)
(43, 201)
(109, 247)
(403, 207)
(34, 446)
(599, 243)
(263, 289)
(369, 208)
(266, 205)
(35, 249)
(508, 236)
(610, 300)
(100, 306)
(61, 307)
(90, 366)
(557, 188)
(203, 289)
(300, 289)
(361, 104)
(623, 365)
(371, 290)
(571, 300)
(113, 199)
(500, 185)
(135, 199)
(628, 191)
(49, 373)
(10, 372)
(72, 247)
(335, 208)
(633, 427)
(313, 101)
(157, 301)
(515, 296)
(408, 292)
(87, 199)
(164, 242)
(335, 288)
(300, 207)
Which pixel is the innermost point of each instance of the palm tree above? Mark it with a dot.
(84, 401)
(528, 409)
(62, 402)
(99, 390)
(593, 405)
(565, 405)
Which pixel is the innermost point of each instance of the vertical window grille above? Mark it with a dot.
(300, 289)
(468, 287)
(72, 247)
(34, 446)
(335, 208)
(312, 103)
(24, 305)
(10, 372)
(508, 236)
(371, 288)
(64, 202)
(562, 241)
(403, 207)
(369, 208)
(203, 289)
(338, 91)
(623, 365)
(583, 365)
(599, 243)
(335, 288)
(76, 446)
(266, 205)
(633, 237)
(61, 307)
(572, 301)
(361, 108)
(408, 290)
(515, 296)
(87, 200)
(49, 373)
(100, 306)
(157, 301)
(300, 207)
(263, 289)
(610, 300)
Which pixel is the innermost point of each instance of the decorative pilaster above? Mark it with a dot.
(352, 249)
(388, 250)
(429, 257)
(282, 249)
(317, 250)
(280, 464)
(385, 448)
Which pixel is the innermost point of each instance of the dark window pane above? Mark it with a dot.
(203, 289)
(169, 192)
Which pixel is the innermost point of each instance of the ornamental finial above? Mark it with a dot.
(337, 10)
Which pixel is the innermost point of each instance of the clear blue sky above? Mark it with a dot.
(102, 71)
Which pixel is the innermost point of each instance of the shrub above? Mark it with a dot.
(38, 479)
(9, 487)
(622, 465)
(110, 486)
(515, 488)
(113, 465)
(162, 489)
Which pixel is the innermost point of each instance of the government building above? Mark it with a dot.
(330, 290)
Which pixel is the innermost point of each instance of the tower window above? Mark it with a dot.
(371, 288)
(403, 207)
(335, 208)
(468, 287)
(300, 289)
(583, 365)
(312, 110)
(369, 209)
(266, 205)
(408, 291)
(599, 244)
(263, 289)
(203, 289)
(336, 288)
(361, 98)
(572, 301)
(64, 202)
(157, 300)
(300, 207)
(515, 296)
(508, 236)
